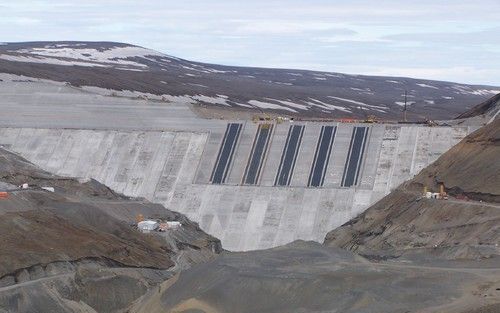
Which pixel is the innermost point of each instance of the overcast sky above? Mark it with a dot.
(453, 40)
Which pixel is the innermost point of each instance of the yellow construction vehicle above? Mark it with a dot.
(262, 118)
(370, 119)
(442, 193)
(139, 218)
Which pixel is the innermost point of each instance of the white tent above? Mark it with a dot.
(147, 226)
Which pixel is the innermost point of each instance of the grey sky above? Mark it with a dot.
(449, 40)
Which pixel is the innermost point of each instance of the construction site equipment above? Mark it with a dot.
(262, 118)
(348, 120)
(147, 226)
(434, 195)
(370, 119)
(4, 195)
(431, 123)
(169, 225)
(442, 193)
(139, 218)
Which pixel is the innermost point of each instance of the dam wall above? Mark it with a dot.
(253, 185)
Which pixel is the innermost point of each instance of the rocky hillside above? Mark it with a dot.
(488, 107)
(127, 70)
(406, 223)
(74, 250)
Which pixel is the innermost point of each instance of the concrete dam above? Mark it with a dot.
(253, 185)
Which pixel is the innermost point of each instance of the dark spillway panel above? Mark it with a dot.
(289, 155)
(322, 156)
(355, 156)
(226, 152)
(258, 154)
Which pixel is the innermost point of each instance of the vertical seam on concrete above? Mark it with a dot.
(221, 147)
(316, 152)
(348, 159)
(362, 155)
(362, 158)
(327, 159)
(296, 154)
(264, 154)
(234, 147)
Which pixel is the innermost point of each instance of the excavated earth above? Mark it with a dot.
(75, 250)
(309, 277)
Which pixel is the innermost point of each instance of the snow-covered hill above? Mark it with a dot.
(132, 70)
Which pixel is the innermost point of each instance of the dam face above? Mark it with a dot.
(252, 185)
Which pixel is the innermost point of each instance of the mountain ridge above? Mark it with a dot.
(119, 68)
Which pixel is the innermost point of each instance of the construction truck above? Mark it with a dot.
(264, 117)
(370, 119)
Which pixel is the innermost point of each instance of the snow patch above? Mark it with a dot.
(401, 103)
(267, 105)
(198, 85)
(42, 60)
(334, 75)
(211, 100)
(130, 69)
(465, 90)
(290, 104)
(115, 55)
(358, 103)
(329, 106)
(193, 69)
(427, 86)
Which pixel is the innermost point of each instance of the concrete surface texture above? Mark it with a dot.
(174, 169)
